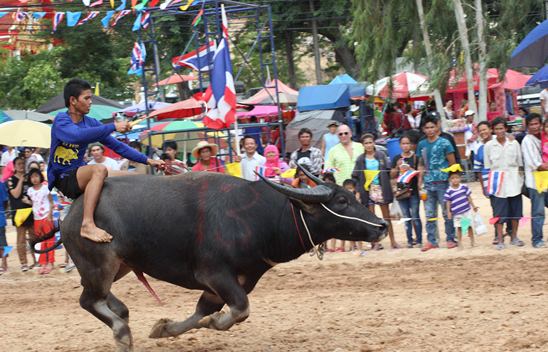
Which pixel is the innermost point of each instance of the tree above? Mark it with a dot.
(482, 59)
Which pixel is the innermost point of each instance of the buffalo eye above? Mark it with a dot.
(342, 200)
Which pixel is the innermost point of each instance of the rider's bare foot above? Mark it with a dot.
(95, 234)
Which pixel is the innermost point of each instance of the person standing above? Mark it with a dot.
(307, 154)
(7, 157)
(544, 102)
(251, 160)
(435, 153)
(97, 152)
(448, 109)
(3, 240)
(330, 139)
(532, 161)
(342, 156)
(503, 159)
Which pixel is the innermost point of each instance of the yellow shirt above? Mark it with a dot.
(339, 159)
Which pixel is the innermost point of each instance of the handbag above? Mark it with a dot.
(403, 191)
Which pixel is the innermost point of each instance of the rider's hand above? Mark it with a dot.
(122, 126)
(158, 164)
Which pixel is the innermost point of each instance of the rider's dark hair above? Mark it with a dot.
(74, 88)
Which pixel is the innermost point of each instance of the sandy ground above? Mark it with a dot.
(475, 299)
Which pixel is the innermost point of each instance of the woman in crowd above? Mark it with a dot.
(380, 190)
(205, 154)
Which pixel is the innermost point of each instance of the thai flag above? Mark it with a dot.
(145, 20)
(407, 176)
(138, 56)
(221, 95)
(89, 17)
(199, 60)
(494, 182)
(96, 3)
(119, 16)
(261, 170)
(58, 18)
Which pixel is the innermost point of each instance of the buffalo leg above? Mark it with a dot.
(207, 304)
(234, 295)
(118, 307)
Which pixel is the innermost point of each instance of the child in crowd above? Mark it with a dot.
(3, 241)
(274, 166)
(42, 207)
(545, 141)
(350, 186)
(328, 177)
(301, 180)
(459, 204)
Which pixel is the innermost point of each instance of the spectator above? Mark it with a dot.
(31, 155)
(435, 153)
(448, 109)
(301, 180)
(355, 246)
(132, 166)
(251, 159)
(504, 155)
(17, 188)
(3, 241)
(205, 153)
(274, 166)
(408, 193)
(256, 133)
(173, 166)
(532, 161)
(380, 189)
(413, 117)
(8, 156)
(459, 203)
(544, 141)
(544, 102)
(368, 122)
(328, 178)
(42, 207)
(470, 135)
(97, 151)
(329, 139)
(463, 108)
(307, 154)
(343, 155)
(394, 121)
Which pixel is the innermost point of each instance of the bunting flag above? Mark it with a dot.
(97, 92)
(86, 2)
(137, 23)
(221, 95)
(21, 215)
(196, 21)
(7, 250)
(198, 60)
(91, 15)
(133, 3)
(141, 6)
(169, 3)
(494, 182)
(96, 3)
(111, 4)
(153, 3)
(145, 20)
(57, 19)
(465, 223)
(290, 173)
(188, 4)
(138, 56)
(2, 14)
(107, 18)
(369, 177)
(122, 6)
(119, 16)
(523, 221)
(234, 169)
(407, 176)
(494, 220)
(404, 220)
(453, 168)
(541, 180)
(72, 18)
(37, 15)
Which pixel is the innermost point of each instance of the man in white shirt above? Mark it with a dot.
(544, 101)
(7, 156)
(503, 159)
(97, 153)
(251, 159)
(532, 160)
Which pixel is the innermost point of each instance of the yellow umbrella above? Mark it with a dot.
(25, 133)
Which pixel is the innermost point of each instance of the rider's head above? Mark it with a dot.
(74, 91)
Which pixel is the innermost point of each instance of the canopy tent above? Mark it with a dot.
(98, 112)
(323, 97)
(141, 107)
(180, 110)
(533, 49)
(175, 79)
(316, 121)
(403, 85)
(267, 96)
(28, 115)
(58, 103)
(259, 111)
(343, 79)
(540, 77)
(513, 80)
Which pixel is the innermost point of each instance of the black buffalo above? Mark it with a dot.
(204, 231)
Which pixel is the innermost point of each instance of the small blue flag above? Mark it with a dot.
(7, 250)
(2, 14)
(137, 23)
(107, 18)
(122, 6)
(72, 18)
(37, 15)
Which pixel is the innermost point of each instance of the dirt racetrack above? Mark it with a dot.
(475, 299)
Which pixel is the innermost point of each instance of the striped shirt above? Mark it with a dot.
(479, 166)
(458, 198)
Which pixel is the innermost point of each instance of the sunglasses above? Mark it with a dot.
(344, 133)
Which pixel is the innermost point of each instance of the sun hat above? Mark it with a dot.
(204, 144)
(469, 113)
(333, 123)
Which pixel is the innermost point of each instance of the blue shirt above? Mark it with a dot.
(458, 198)
(3, 199)
(434, 156)
(69, 142)
(373, 164)
(330, 141)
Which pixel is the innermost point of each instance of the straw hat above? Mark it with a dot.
(204, 144)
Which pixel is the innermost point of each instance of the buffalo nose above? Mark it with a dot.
(384, 227)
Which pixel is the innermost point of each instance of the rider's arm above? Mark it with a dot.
(67, 131)
(124, 150)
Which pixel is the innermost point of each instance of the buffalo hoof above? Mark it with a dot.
(159, 329)
(123, 347)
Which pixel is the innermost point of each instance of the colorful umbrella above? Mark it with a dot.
(177, 131)
(403, 84)
(153, 105)
(98, 112)
(25, 133)
(180, 110)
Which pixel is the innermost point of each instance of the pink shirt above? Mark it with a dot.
(544, 147)
(214, 166)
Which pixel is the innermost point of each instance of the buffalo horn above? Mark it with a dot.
(315, 179)
(319, 194)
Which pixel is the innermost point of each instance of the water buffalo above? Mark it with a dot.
(208, 232)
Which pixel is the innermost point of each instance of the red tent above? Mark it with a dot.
(268, 95)
(513, 80)
(176, 78)
(180, 110)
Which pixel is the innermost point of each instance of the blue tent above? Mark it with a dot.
(323, 97)
(541, 77)
(533, 49)
(343, 79)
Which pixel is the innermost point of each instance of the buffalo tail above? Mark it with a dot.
(47, 236)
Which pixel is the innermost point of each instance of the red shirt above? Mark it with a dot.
(214, 166)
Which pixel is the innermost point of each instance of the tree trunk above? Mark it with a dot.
(347, 59)
(428, 49)
(482, 57)
(290, 59)
(463, 34)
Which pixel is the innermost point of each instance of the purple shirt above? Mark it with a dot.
(458, 198)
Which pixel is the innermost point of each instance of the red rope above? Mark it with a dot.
(297, 226)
